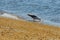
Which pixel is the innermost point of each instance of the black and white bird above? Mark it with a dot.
(34, 17)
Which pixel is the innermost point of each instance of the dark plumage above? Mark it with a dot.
(34, 17)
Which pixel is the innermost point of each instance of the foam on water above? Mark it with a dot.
(9, 16)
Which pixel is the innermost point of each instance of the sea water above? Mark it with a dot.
(48, 10)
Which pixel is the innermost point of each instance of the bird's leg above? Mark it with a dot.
(34, 20)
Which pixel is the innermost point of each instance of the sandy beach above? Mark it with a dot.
(11, 29)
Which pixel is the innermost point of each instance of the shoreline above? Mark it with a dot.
(46, 22)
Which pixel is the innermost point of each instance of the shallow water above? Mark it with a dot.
(45, 9)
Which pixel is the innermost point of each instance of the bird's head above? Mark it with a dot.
(29, 14)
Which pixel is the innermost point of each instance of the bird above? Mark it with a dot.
(34, 17)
